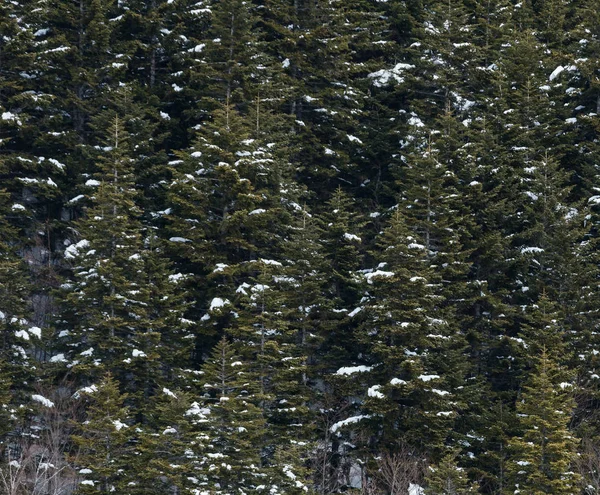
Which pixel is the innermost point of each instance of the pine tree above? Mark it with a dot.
(18, 335)
(542, 456)
(124, 309)
(410, 344)
(229, 441)
(544, 449)
(103, 440)
(446, 478)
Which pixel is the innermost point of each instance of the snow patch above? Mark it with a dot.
(72, 251)
(350, 370)
(42, 400)
(217, 302)
(556, 72)
(352, 237)
(348, 421)
(384, 76)
(354, 312)
(427, 378)
(374, 392)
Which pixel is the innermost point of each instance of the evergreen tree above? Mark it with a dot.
(229, 441)
(544, 449)
(124, 310)
(446, 478)
(542, 456)
(103, 440)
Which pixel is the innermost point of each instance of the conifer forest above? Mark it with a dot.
(290, 247)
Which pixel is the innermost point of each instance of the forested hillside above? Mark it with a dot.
(299, 247)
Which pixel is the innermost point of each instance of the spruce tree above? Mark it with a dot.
(543, 450)
(123, 310)
(103, 440)
(542, 456)
(229, 441)
(446, 478)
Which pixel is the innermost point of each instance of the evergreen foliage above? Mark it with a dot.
(299, 246)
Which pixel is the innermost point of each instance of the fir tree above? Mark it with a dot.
(102, 439)
(542, 456)
(229, 442)
(446, 478)
(543, 450)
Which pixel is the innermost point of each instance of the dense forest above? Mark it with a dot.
(299, 247)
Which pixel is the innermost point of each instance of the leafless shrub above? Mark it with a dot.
(588, 466)
(34, 462)
(398, 469)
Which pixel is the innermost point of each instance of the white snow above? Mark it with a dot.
(73, 250)
(36, 332)
(179, 239)
(531, 249)
(271, 262)
(352, 237)
(118, 424)
(374, 392)
(354, 312)
(378, 273)
(57, 164)
(9, 116)
(348, 421)
(217, 302)
(555, 73)
(59, 358)
(42, 400)
(349, 370)
(75, 199)
(17, 207)
(416, 121)
(220, 267)
(258, 211)
(385, 76)
(176, 277)
(397, 381)
(415, 489)
(138, 353)
(92, 183)
(427, 378)
(196, 410)
(85, 390)
(166, 391)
